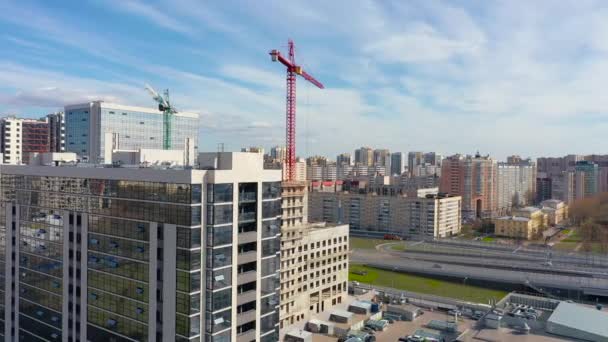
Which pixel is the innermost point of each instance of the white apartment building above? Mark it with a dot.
(19, 138)
(11, 140)
(432, 216)
(516, 185)
(424, 170)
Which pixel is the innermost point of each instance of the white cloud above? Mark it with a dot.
(157, 16)
(255, 76)
(421, 43)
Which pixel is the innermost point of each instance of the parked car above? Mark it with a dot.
(455, 312)
(368, 330)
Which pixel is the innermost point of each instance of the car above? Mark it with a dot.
(372, 328)
(368, 330)
(455, 312)
(389, 320)
(402, 339)
(436, 266)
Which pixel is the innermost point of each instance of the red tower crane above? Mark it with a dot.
(290, 125)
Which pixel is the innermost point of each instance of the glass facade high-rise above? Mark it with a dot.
(122, 254)
(396, 163)
(91, 128)
(587, 179)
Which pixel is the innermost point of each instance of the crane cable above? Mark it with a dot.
(307, 137)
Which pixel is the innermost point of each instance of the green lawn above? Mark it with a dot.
(363, 243)
(566, 246)
(400, 247)
(421, 284)
(574, 237)
(566, 231)
(488, 239)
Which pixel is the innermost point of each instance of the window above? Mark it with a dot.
(218, 321)
(219, 279)
(271, 209)
(217, 236)
(219, 300)
(221, 214)
(219, 257)
(271, 190)
(218, 193)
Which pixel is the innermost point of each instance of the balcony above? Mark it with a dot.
(247, 336)
(246, 277)
(247, 237)
(246, 297)
(244, 258)
(245, 317)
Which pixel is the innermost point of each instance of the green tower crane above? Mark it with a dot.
(164, 105)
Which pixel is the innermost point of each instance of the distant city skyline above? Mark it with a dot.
(503, 78)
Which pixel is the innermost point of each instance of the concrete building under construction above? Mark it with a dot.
(314, 259)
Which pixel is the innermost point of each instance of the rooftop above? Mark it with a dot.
(529, 209)
(149, 110)
(581, 318)
(299, 333)
(514, 218)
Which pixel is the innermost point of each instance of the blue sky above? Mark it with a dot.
(501, 77)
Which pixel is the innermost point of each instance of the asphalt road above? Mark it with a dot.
(493, 265)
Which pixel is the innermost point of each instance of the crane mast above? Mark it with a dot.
(290, 120)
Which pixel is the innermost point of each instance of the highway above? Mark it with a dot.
(491, 264)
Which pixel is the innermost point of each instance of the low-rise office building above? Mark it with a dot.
(431, 216)
(141, 254)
